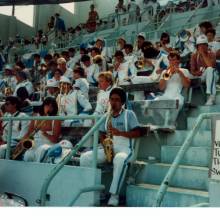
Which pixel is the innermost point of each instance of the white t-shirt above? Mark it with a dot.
(174, 85)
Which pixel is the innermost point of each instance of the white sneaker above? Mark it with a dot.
(114, 200)
(211, 100)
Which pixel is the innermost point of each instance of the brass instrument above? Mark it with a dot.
(8, 91)
(108, 141)
(167, 75)
(140, 63)
(27, 143)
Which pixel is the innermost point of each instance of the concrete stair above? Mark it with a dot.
(195, 156)
(154, 173)
(206, 124)
(201, 139)
(190, 184)
(143, 195)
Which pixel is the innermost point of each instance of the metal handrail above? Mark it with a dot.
(171, 172)
(60, 165)
(85, 190)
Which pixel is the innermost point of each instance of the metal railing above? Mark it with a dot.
(93, 131)
(171, 172)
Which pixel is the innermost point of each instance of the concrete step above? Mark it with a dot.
(202, 138)
(143, 195)
(206, 124)
(195, 156)
(195, 112)
(191, 177)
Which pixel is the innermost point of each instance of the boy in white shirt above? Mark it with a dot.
(81, 82)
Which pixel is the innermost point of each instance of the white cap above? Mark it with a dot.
(100, 38)
(142, 34)
(202, 39)
(8, 67)
(52, 83)
(66, 144)
(64, 79)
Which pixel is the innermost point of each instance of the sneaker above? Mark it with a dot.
(114, 200)
(211, 100)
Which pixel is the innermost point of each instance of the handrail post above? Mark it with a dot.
(95, 147)
(171, 172)
(8, 149)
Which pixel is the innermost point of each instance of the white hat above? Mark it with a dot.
(61, 60)
(64, 79)
(202, 39)
(52, 83)
(142, 34)
(66, 144)
(8, 67)
(100, 38)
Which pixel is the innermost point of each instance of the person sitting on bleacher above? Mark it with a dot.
(105, 86)
(123, 70)
(98, 59)
(8, 80)
(165, 43)
(139, 43)
(46, 132)
(73, 58)
(203, 64)
(57, 75)
(22, 81)
(19, 128)
(124, 127)
(106, 52)
(81, 82)
(155, 61)
(214, 46)
(52, 88)
(121, 44)
(25, 103)
(129, 56)
(91, 70)
(173, 84)
(67, 72)
(71, 102)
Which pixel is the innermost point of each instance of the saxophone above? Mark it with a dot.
(108, 141)
(27, 143)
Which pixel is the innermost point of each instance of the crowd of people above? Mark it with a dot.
(60, 83)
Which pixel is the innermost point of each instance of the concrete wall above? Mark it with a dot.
(12, 26)
(44, 12)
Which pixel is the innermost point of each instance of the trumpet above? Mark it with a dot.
(8, 91)
(140, 63)
(27, 143)
(167, 75)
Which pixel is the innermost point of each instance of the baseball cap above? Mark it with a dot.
(8, 67)
(142, 34)
(202, 39)
(52, 83)
(99, 38)
(64, 79)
